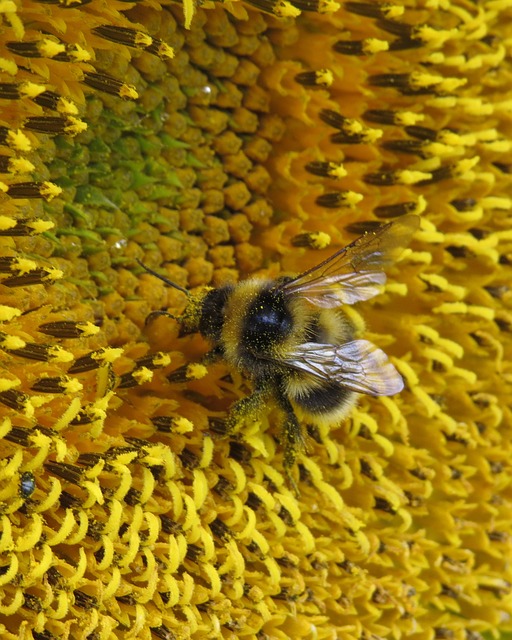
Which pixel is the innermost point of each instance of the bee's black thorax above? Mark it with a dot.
(259, 321)
(268, 321)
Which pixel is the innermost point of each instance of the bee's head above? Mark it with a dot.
(211, 309)
(205, 309)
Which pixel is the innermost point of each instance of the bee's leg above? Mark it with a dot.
(212, 356)
(155, 314)
(293, 439)
(246, 407)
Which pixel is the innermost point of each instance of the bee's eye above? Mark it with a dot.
(269, 321)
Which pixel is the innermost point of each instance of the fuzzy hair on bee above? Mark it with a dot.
(293, 340)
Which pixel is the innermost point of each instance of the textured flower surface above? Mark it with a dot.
(258, 140)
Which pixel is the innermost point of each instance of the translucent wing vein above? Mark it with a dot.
(358, 365)
(355, 273)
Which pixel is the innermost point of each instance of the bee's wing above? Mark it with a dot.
(358, 365)
(354, 273)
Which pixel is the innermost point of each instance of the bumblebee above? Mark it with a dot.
(292, 339)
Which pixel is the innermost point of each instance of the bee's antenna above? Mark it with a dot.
(163, 278)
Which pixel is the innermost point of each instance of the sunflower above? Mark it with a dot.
(212, 143)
